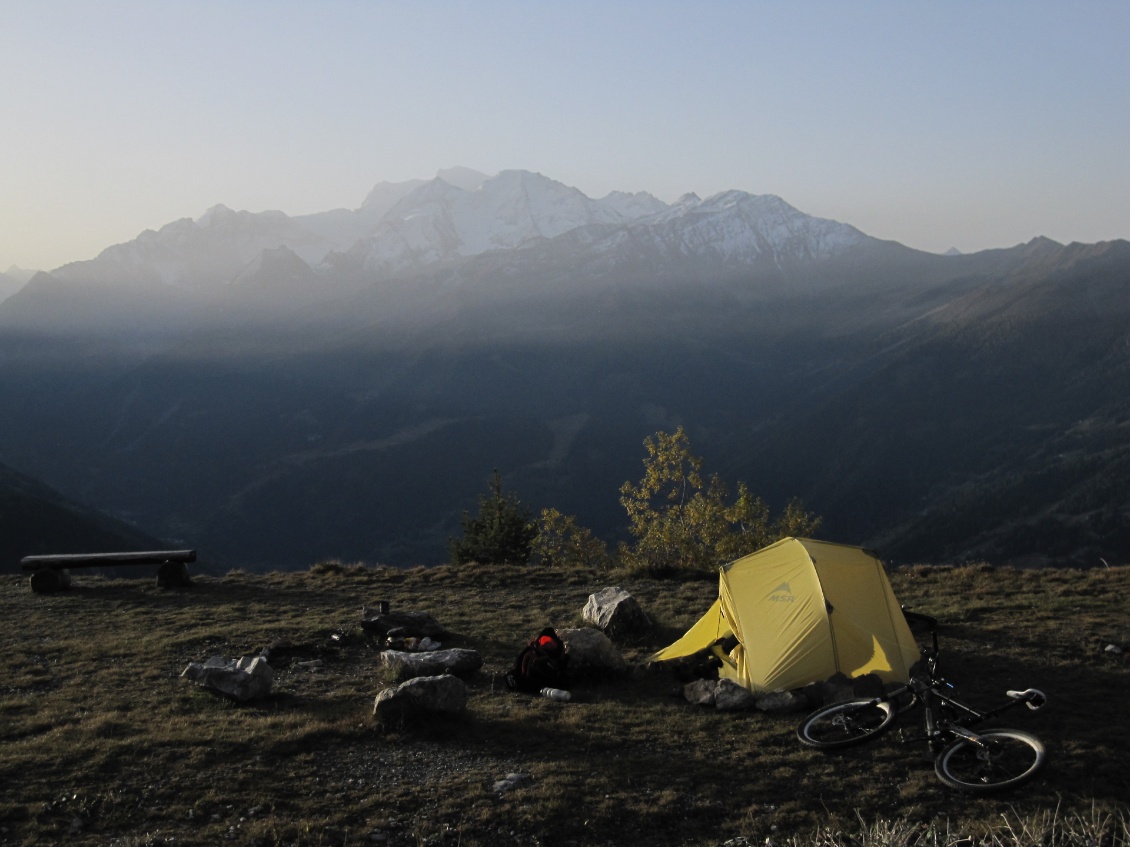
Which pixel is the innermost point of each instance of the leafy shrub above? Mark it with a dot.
(562, 542)
(683, 521)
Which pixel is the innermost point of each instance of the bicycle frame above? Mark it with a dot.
(993, 760)
(940, 729)
(928, 687)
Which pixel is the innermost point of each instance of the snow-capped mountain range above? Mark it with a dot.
(404, 228)
(298, 375)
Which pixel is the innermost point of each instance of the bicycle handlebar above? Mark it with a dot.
(1033, 698)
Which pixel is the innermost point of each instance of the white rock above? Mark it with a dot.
(456, 660)
(443, 694)
(615, 612)
(247, 678)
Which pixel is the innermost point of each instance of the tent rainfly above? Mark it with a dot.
(801, 610)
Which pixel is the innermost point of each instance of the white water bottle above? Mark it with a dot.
(556, 694)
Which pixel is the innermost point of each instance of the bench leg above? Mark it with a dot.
(173, 575)
(49, 580)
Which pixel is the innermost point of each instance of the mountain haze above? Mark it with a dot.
(9, 285)
(36, 520)
(283, 389)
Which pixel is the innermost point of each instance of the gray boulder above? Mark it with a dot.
(839, 688)
(590, 651)
(244, 679)
(615, 612)
(422, 695)
(868, 685)
(726, 695)
(782, 701)
(700, 692)
(404, 624)
(457, 660)
(731, 697)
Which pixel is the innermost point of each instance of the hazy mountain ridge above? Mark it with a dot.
(401, 229)
(13, 279)
(37, 520)
(8, 286)
(997, 412)
(354, 407)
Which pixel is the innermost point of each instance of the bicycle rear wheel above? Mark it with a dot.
(845, 724)
(998, 759)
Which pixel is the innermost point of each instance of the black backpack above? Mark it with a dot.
(542, 664)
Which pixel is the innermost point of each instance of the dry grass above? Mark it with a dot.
(102, 743)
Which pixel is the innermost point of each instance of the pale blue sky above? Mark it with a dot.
(967, 124)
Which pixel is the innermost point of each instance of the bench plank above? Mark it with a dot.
(106, 560)
(51, 573)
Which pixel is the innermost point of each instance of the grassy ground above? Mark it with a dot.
(102, 743)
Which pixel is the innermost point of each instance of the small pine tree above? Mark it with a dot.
(502, 531)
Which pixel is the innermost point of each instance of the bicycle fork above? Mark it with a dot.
(933, 729)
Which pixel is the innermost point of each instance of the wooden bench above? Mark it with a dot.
(50, 573)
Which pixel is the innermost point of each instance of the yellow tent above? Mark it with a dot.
(801, 610)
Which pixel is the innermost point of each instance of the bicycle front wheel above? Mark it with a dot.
(845, 724)
(996, 760)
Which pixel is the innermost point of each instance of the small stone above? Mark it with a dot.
(417, 624)
(512, 781)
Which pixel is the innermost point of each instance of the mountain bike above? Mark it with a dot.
(978, 762)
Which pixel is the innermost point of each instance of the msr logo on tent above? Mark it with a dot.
(782, 594)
